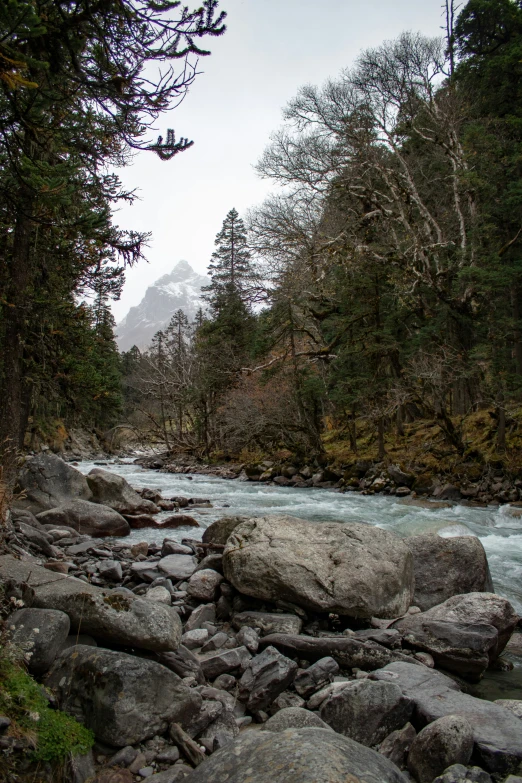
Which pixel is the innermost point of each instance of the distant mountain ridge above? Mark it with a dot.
(180, 290)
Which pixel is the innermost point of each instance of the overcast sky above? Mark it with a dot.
(271, 48)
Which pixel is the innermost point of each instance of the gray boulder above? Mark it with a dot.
(497, 733)
(294, 718)
(219, 531)
(396, 745)
(203, 584)
(304, 755)
(86, 518)
(266, 676)
(463, 648)
(104, 614)
(114, 491)
(122, 698)
(445, 567)
(225, 662)
(47, 481)
(350, 569)
(365, 713)
(479, 609)
(444, 742)
(41, 633)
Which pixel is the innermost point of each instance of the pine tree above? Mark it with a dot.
(230, 269)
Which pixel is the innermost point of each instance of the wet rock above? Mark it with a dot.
(177, 521)
(114, 491)
(444, 742)
(270, 558)
(268, 623)
(295, 756)
(497, 732)
(294, 718)
(445, 567)
(219, 531)
(87, 518)
(203, 584)
(178, 567)
(396, 745)
(225, 662)
(266, 676)
(122, 698)
(47, 481)
(41, 633)
(365, 713)
(318, 675)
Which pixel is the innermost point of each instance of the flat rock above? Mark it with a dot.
(225, 662)
(445, 567)
(105, 614)
(497, 733)
(122, 698)
(350, 569)
(305, 755)
(178, 566)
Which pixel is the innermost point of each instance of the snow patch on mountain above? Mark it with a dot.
(180, 290)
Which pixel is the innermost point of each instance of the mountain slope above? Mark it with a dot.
(180, 290)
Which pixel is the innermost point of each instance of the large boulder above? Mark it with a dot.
(463, 648)
(104, 614)
(87, 518)
(46, 481)
(122, 698)
(444, 742)
(41, 633)
(447, 566)
(497, 733)
(477, 609)
(219, 531)
(303, 755)
(112, 490)
(367, 711)
(350, 569)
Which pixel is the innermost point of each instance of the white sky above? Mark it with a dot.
(271, 48)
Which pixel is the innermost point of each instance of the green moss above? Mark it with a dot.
(53, 734)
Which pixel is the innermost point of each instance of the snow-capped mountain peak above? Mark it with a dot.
(179, 290)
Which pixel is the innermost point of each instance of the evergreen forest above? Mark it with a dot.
(370, 308)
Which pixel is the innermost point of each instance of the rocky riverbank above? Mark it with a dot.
(304, 652)
(489, 487)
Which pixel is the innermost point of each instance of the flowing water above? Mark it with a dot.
(500, 533)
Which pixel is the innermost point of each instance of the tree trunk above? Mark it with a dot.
(381, 453)
(11, 380)
(517, 334)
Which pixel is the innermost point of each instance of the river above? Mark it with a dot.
(501, 534)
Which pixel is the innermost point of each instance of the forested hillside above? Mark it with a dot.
(372, 305)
